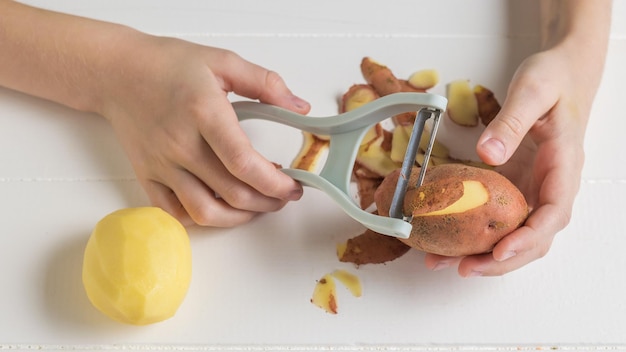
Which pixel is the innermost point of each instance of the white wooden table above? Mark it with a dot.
(61, 171)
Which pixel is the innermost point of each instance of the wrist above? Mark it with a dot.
(580, 21)
(578, 30)
(112, 61)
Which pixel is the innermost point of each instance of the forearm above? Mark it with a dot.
(579, 26)
(578, 32)
(589, 19)
(55, 56)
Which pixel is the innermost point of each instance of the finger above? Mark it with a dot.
(437, 262)
(533, 240)
(232, 190)
(551, 216)
(201, 203)
(524, 245)
(535, 237)
(255, 82)
(486, 265)
(163, 197)
(222, 132)
(527, 100)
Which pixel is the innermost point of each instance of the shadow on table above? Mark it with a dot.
(63, 296)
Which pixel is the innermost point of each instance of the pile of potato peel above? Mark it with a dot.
(464, 207)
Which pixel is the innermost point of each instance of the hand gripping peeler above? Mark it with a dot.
(346, 131)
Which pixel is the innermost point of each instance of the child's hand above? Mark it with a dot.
(167, 102)
(537, 137)
(539, 134)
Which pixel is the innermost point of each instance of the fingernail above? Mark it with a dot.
(441, 265)
(507, 255)
(299, 102)
(295, 194)
(475, 273)
(495, 150)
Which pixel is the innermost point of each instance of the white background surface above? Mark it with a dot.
(61, 171)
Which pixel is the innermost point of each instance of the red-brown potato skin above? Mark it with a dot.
(474, 231)
(373, 248)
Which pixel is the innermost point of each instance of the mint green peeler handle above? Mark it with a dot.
(345, 131)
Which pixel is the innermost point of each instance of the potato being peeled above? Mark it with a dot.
(459, 210)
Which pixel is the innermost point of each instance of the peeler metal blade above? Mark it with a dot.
(397, 202)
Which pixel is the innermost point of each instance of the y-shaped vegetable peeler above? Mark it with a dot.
(346, 131)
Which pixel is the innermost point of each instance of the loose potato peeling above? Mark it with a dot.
(358, 250)
(462, 103)
(424, 79)
(366, 186)
(488, 106)
(356, 96)
(380, 77)
(325, 291)
(325, 294)
(310, 153)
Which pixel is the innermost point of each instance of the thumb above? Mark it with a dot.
(527, 101)
(255, 82)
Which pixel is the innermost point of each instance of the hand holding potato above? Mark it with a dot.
(537, 137)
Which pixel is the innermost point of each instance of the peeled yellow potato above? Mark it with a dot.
(459, 209)
(137, 265)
